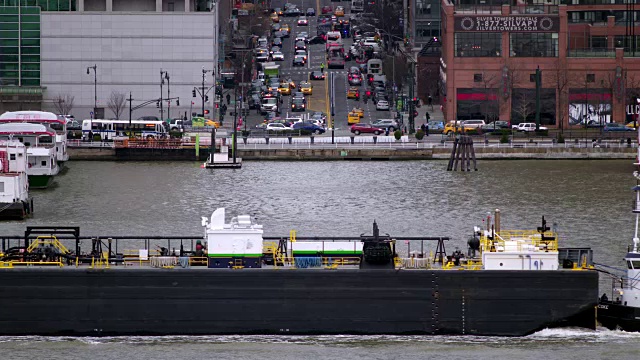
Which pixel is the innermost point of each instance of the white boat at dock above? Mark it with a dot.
(14, 186)
(42, 163)
(57, 123)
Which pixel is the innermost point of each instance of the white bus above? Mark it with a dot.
(357, 6)
(374, 67)
(110, 129)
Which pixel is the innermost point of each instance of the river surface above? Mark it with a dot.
(589, 201)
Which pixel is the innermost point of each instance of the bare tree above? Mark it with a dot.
(524, 105)
(116, 103)
(63, 103)
(562, 80)
(397, 73)
(490, 85)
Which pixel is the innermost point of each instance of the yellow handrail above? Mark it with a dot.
(47, 240)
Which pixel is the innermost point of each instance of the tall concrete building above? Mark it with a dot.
(89, 49)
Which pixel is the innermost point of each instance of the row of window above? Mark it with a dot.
(20, 42)
(45, 5)
(489, 44)
(478, 78)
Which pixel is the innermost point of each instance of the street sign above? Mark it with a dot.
(91, 113)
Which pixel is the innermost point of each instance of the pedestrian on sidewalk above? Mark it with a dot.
(229, 99)
(430, 102)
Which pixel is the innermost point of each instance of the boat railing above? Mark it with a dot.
(519, 240)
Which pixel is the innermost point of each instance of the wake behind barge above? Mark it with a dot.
(515, 287)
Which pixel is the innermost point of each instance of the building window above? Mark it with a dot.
(477, 77)
(534, 44)
(478, 44)
(12, 157)
(43, 162)
(599, 42)
(591, 78)
(171, 6)
(427, 8)
(427, 29)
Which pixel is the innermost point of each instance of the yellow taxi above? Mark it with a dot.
(359, 111)
(632, 125)
(353, 93)
(306, 88)
(284, 89)
(209, 122)
(353, 118)
(453, 127)
(274, 17)
(285, 27)
(339, 11)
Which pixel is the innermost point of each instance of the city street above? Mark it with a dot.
(319, 101)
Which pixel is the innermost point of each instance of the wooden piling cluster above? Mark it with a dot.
(462, 151)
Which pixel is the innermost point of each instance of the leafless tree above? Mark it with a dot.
(490, 85)
(116, 103)
(63, 103)
(524, 105)
(397, 73)
(562, 80)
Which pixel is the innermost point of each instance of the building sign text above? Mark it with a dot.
(511, 23)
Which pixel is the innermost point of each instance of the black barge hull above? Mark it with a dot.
(121, 301)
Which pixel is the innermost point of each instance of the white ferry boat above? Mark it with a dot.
(14, 187)
(42, 163)
(57, 123)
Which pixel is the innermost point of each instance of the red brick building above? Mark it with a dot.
(589, 57)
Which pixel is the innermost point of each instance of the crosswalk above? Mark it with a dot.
(305, 72)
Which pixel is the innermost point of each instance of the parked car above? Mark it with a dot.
(616, 127)
(390, 124)
(453, 127)
(308, 126)
(529, 127)
(436, 125)
(366, 129)
(277, 127)
(473, 124)
(495, 126)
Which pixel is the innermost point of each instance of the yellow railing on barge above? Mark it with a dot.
(519, 240)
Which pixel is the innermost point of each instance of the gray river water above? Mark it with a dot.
(589, 201)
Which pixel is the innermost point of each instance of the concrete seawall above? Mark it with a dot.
(351, 153)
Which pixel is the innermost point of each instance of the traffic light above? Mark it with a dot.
(217, 106)
(178, 102)
(158, 104)
(206, 112)
(206, 98)
(193, 92)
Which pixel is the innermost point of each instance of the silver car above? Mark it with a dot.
(382, 105)
(390, 124)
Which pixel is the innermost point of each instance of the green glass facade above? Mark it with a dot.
(19, 46)
(44, 5)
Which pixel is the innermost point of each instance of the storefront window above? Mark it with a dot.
(478, 44)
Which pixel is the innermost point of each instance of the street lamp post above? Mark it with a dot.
(95, 86)
(166, 76)
(163, 74)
